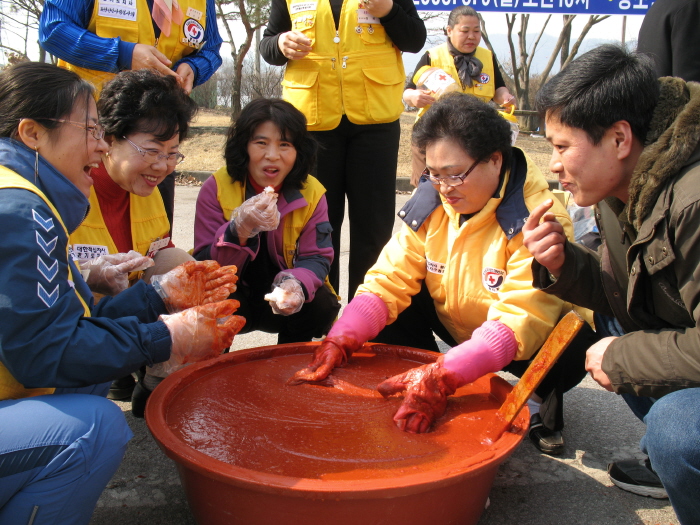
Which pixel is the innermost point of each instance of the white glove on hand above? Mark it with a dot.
(287, 296)
(109, 274)
(199, 333)
(257, 214)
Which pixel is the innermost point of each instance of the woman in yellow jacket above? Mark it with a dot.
(474, 69)
(458, 269)
(344, 72)
(145, 117)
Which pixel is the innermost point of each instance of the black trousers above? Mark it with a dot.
(313, 320)
(359, 162)
(167, 191)
(417, 326)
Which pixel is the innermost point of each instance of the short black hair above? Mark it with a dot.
(144, 101)
(470, 122)
(40, 92)
(292, 125)
(601, 87)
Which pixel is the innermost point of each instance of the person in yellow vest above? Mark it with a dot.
(474, 69)
(145, 117)
(60, 440)
(266, 215)
(344, 72)
(99, 38)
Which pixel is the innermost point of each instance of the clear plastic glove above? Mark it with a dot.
(425, 400)
(199, 333)
(195, 283)
(109, 274)
(257, 214)
(287, 296)
(333, 351)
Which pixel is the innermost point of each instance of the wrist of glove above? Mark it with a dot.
(333, 351)
(257, 214)
(198, 334)
(287, 296)
(195, 283)
(109, 274)
(425, 400)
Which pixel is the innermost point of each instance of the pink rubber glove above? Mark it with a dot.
(257, 214)
(361, 321)
(287, 296)
(194, 283)
(199, 333)
(491, 347)
(109, 274)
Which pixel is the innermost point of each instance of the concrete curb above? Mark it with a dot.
(402, 183)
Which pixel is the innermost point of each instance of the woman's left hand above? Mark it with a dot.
(185, 77)
(378, 8)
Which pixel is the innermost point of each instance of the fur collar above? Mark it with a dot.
(673, 137)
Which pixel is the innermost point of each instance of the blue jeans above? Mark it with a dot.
(57, 453)
(672, 439)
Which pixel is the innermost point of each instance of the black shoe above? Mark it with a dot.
(121, 388)
(637, 476)
(138, 400)
(545, 440)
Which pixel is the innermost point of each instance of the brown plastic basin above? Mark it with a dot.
(251, 450)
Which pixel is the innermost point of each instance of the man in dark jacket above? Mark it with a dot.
(628, 143)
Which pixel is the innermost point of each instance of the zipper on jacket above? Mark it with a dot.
(344, 62)
(333, 63)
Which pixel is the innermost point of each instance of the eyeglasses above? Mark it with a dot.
(153, 155)
(450, 180)
(96, 131)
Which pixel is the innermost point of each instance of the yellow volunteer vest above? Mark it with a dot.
(357, 71)
(10, 388)
(130, 20)
(149, 222)
(231, 195)
(440, 57)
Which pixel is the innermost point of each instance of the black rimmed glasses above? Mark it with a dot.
(96, 131)
(450, 180)
(153, 155)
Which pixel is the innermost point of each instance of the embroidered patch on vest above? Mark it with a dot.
(194, 33)
(492, 279)
(484, 78)
(435, 267)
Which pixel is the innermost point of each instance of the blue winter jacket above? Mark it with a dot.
(45, 338)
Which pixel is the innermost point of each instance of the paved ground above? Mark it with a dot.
(530, 488)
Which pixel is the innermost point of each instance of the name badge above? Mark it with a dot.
(302, 6)
(194, 13)
(363, 17)
(121, 9)
(157, 245)
(435, 267)
(85, 252)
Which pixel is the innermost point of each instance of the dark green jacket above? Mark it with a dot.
(647, 271)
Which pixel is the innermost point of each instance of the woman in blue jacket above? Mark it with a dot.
(60, 439)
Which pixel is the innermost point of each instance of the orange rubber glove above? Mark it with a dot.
(199, 333)
(427, 388)
(195, 283)
(334, 351)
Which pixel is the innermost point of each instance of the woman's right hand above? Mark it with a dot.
(257, 214)
(417, 98)
(294, 45)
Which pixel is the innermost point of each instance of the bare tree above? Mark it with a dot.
(19, 19)
(253, 14)
(519, 76)
(265, 82)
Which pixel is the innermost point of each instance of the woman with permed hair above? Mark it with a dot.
(265, 214)
(458, 269)
(145, 116)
